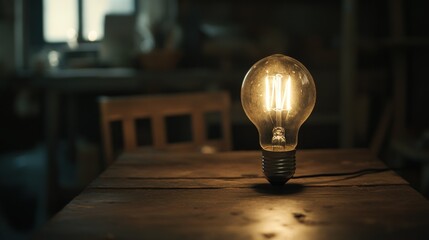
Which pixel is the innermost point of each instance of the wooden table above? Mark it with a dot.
(224, 196)
(72, 83)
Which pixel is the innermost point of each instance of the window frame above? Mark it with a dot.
(80, 22)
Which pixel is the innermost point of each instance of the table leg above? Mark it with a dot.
(71, 108)
(51, 134)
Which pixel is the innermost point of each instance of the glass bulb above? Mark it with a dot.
(278, 94)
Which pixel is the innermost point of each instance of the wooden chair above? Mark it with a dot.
(159, 110)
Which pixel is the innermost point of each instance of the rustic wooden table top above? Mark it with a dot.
(224, 196)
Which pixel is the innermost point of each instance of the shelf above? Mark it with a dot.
(399, 42)
(106, 80)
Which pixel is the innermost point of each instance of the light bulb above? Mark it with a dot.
(278, 94)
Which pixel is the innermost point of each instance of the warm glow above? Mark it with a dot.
(288, 95)
(278, 93)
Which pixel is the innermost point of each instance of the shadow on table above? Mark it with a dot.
(287, 189)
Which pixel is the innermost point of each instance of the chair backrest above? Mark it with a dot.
(200, 108)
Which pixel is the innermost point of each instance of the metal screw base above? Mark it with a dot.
(278, 167)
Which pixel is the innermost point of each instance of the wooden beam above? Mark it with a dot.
(348, 71)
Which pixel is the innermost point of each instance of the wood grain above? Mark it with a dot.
(223, 196)
(138, 168)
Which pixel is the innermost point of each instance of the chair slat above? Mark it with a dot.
(156, 108)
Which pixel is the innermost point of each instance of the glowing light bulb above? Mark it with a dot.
(278, 94)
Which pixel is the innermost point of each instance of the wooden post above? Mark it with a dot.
(399, 66)
(348, 72)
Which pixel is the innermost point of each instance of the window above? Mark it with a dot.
(61, 18)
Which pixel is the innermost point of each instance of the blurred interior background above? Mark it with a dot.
(368, 59)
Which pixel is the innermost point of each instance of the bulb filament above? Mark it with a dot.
(277, 93)
(278, 99)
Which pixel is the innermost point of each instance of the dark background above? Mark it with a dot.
(368, 59)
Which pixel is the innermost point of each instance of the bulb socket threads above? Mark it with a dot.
(278, 167)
